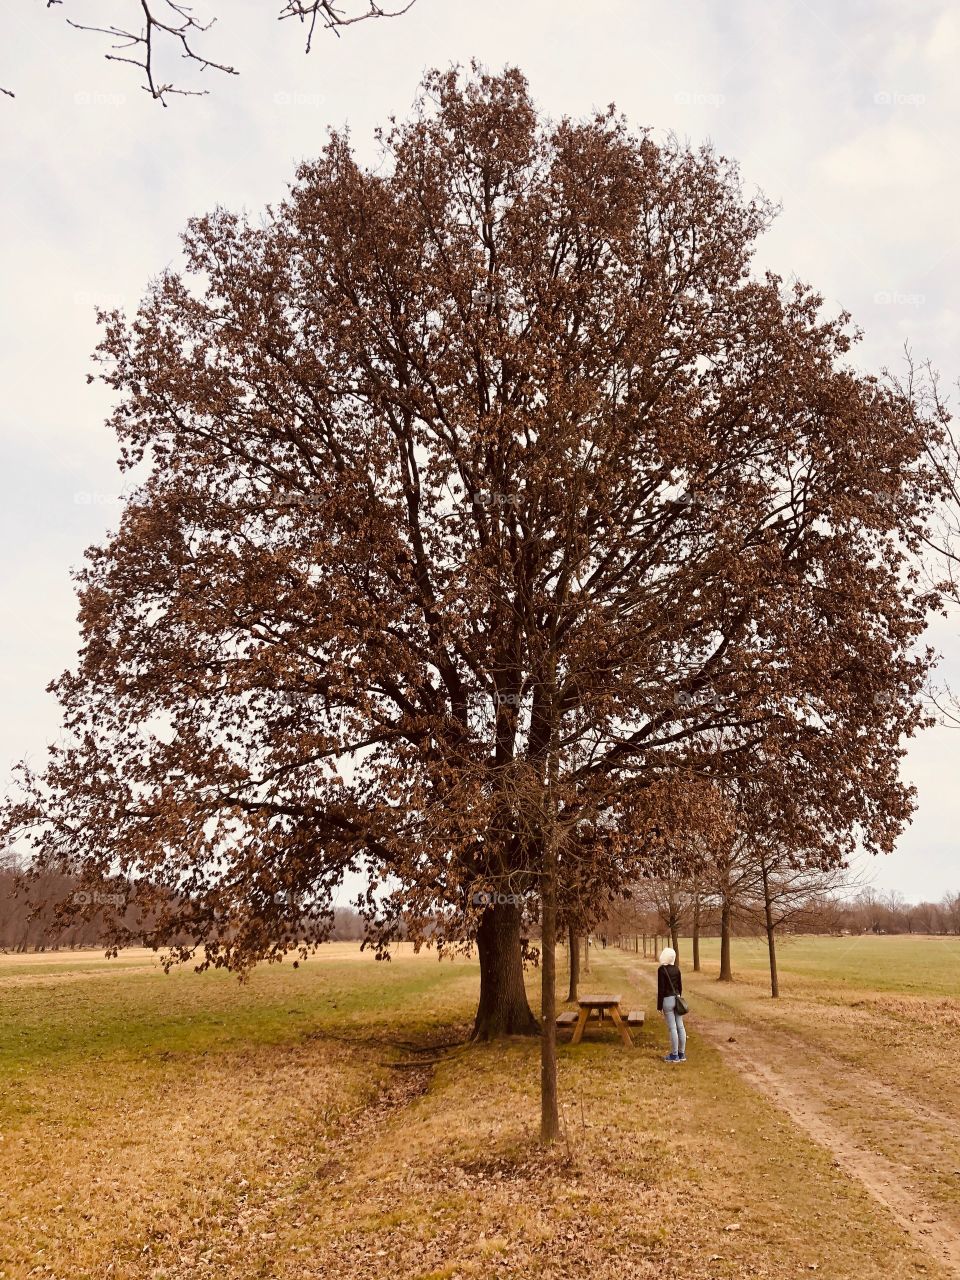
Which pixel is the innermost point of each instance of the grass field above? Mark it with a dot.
(913, 964)
(889, 1005)
(332, 1121)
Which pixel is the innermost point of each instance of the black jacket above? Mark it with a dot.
(663, 986)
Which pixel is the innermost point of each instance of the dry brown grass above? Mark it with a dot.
(883, 1061)
(184, 1126)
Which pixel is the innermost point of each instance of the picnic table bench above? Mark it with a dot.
(597, 1006)
(633, 1018)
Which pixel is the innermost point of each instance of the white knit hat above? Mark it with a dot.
(668, 956)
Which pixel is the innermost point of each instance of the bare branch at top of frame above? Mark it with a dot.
(333, 16)
(179, 24)
(168, 22)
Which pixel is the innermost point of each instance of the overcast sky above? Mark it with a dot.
(847, 114)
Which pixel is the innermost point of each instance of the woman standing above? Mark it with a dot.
(669, 986)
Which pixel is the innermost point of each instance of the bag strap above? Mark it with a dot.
(673, 989)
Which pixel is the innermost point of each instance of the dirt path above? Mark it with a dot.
(856, 1083)
(806, 1083)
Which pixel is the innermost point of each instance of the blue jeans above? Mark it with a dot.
(678, 1033)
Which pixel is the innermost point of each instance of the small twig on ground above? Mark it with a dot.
(412, 1047)
(566, 1131)
(424, 1062)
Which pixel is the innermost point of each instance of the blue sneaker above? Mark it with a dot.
(671, 1057)
(682, 1057)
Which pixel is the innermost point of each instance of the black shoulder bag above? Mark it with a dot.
(680, 1006)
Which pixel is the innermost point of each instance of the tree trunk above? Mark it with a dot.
(696, 933)
(586, 953)
(503, 1009)
(726, 971)
(771, 939)
(549, 1107)
(574, 949)
(675, 937)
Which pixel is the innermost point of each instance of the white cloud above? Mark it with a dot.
(893, 157)
(943, 45)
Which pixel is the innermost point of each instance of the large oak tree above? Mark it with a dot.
(478, 490)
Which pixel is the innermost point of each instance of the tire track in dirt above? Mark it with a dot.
(851, 1075)
(802, 1086)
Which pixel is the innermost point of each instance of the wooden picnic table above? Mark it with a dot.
(603, 1004)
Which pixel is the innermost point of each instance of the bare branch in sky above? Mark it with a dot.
(180, 26)
(333, 16)
(167, 22)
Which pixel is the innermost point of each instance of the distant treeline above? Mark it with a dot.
(23, 929)
(873, 912)
(868, 911)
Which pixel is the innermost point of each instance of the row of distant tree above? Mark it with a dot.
(872, 912)
(786, 900)
(800, 902)
(28, 920)
(864, 911)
